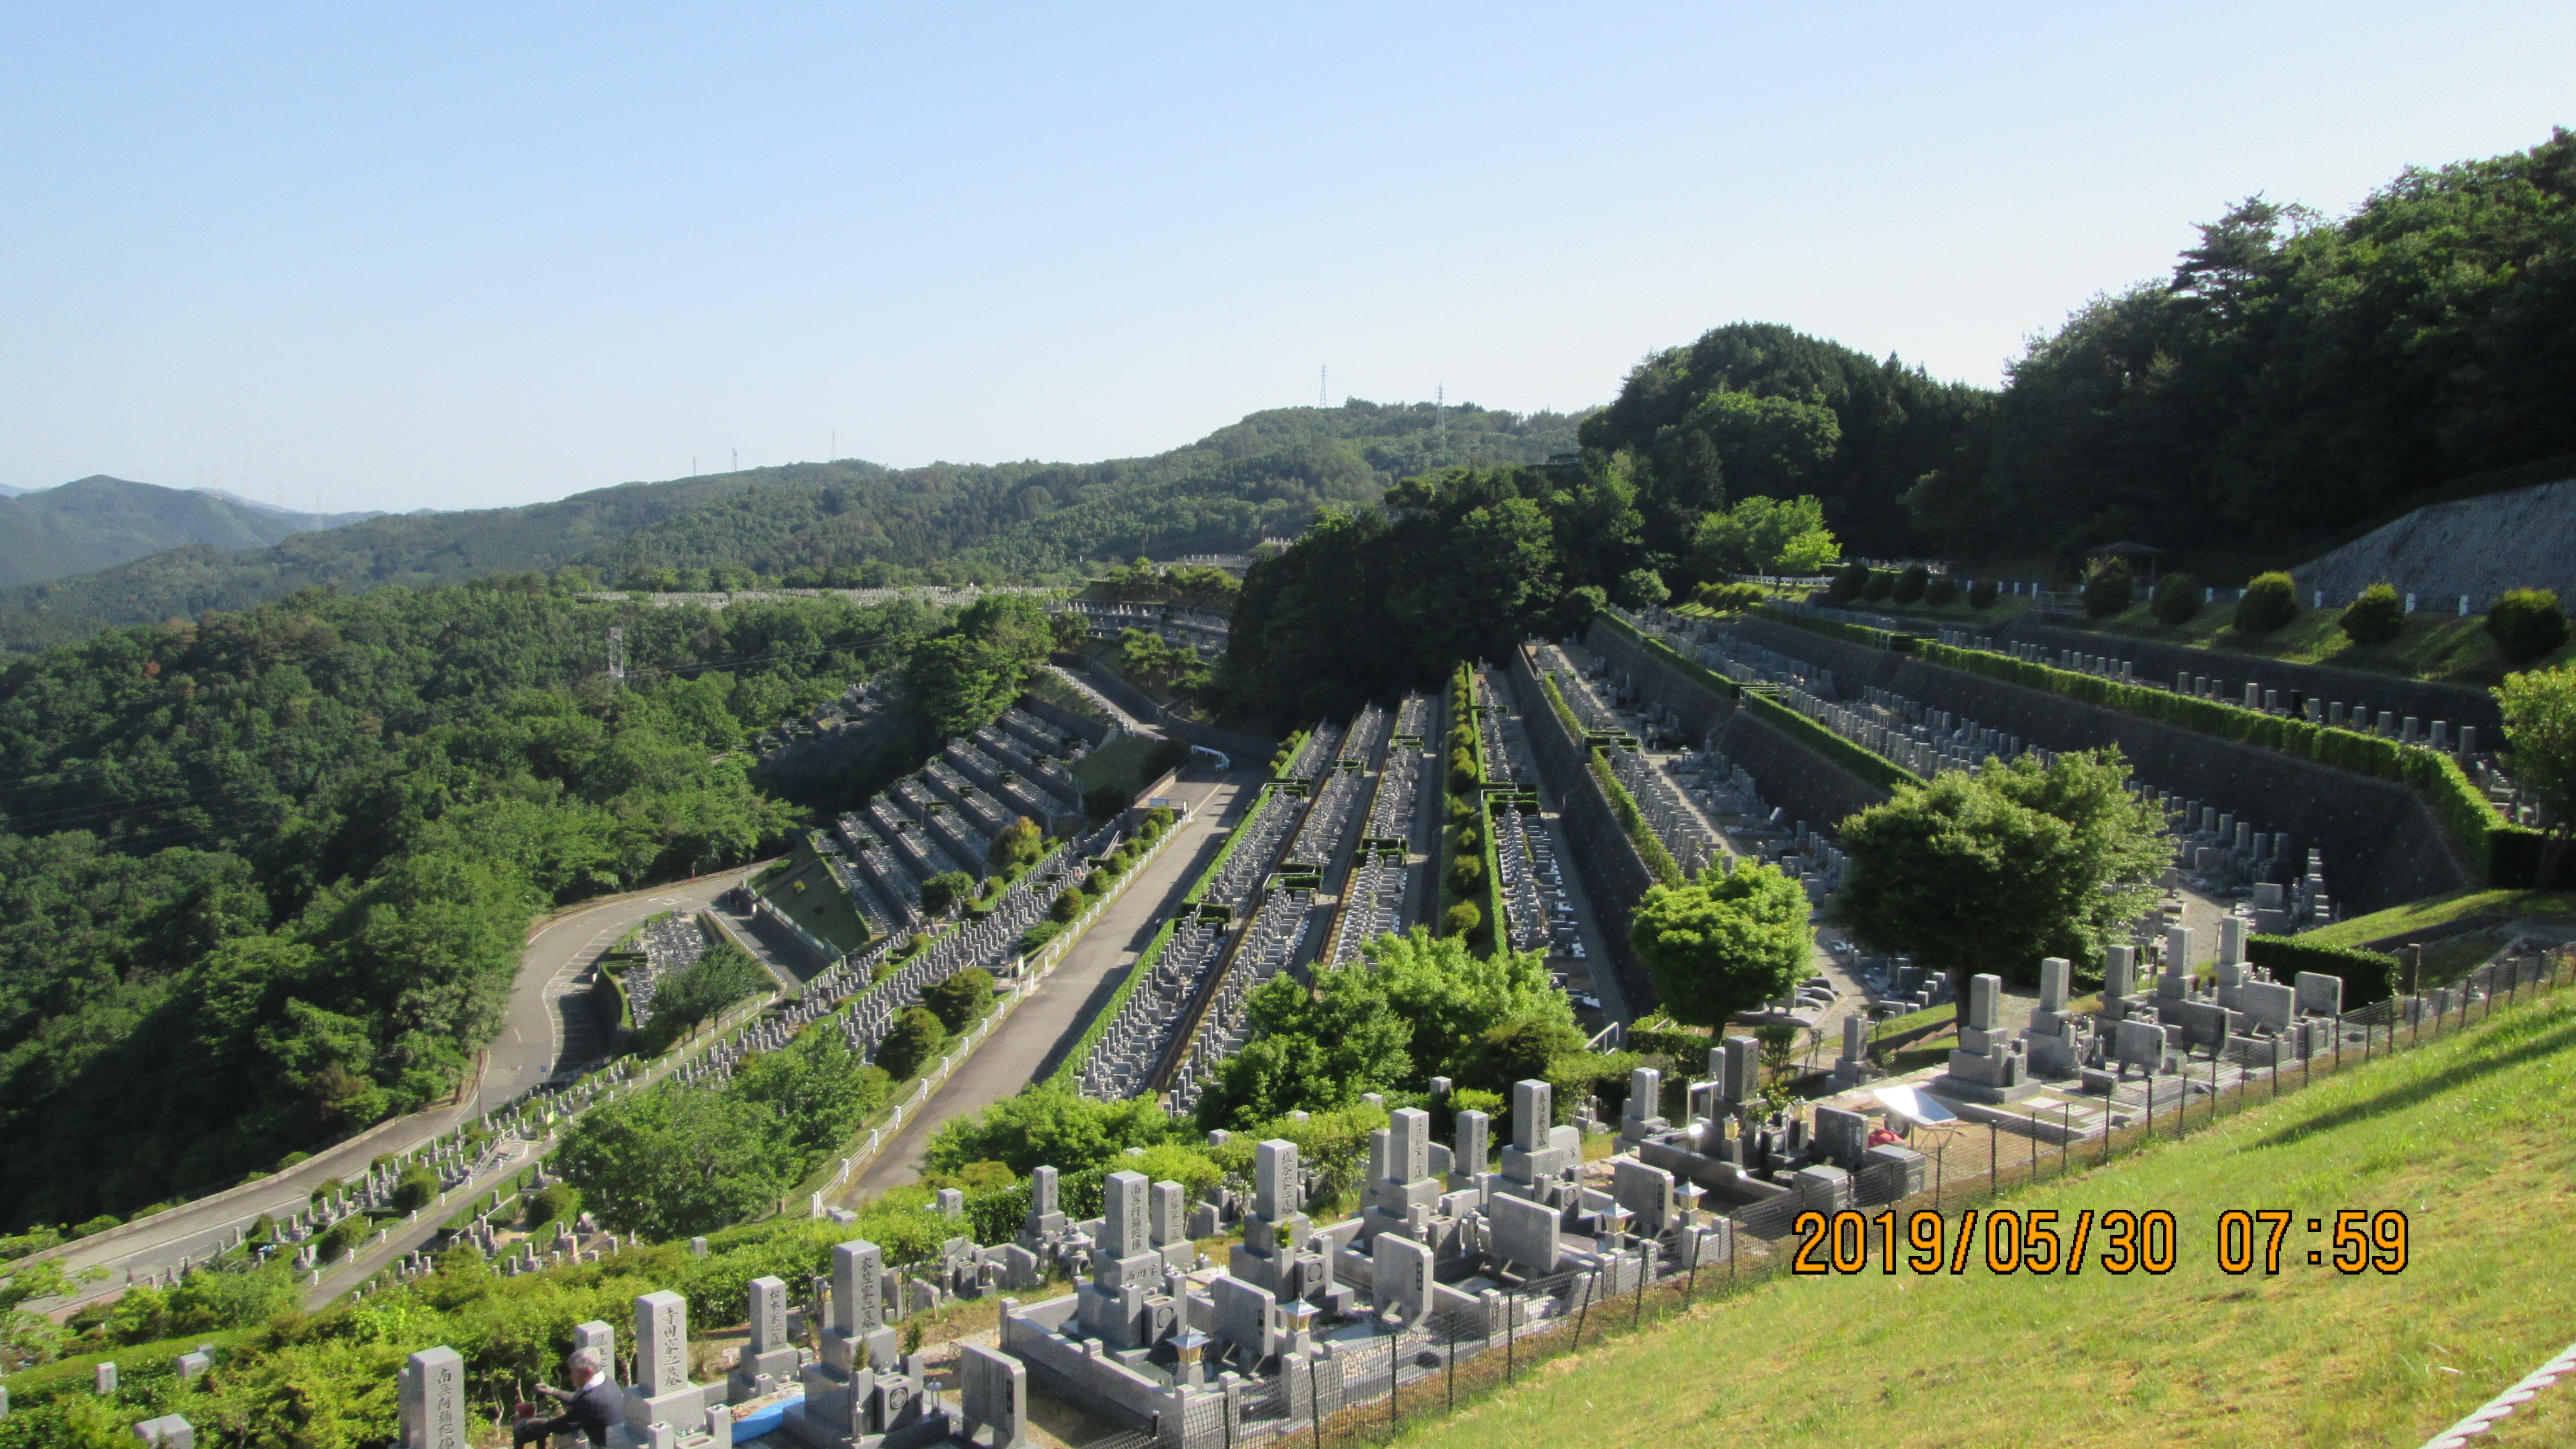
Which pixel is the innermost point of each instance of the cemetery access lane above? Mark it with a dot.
(549, 1027)
(1032, 1043)
(546, 1017)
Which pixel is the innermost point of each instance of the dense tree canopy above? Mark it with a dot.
(266, 876)
(2294, 375)
(1413, 1007)
(1724, 943)
(1462, 564)
(1994, 871)
(1756, 409)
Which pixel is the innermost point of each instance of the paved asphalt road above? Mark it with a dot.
(548, 1026)
(1030, 1045)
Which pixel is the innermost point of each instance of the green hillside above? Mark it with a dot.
(2466, 1137)
(944, 522)
(265, 878)
(98, 522)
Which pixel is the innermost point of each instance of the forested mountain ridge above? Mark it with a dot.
(2295, 375)
(99, 521)
(945, 522)
(264, 877)
(2291, 378)
(1755, 409)
(412, 550)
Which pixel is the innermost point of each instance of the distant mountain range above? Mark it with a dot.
(1265, 474)
(98, 522)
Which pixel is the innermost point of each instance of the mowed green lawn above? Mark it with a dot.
(2470, 1137)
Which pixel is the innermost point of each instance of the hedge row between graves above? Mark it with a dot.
(1564, 712)
(2368, 976)
(1497, 926)
(1633, 821)
(1861, 634)
(1199, 888)
(2492, 844)
(1868, 765)
(1071, 1067)
(1287, 756)
(608, 998)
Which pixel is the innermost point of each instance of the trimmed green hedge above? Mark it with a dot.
(2368, 976)
(1071, 1066)
(1874, 768)
(1198, 888)
(1564, 711)
(1861, 634)
(1877, 769)
(608, 998)
(2463, 813)
(1691, 669)
(1287, 756)
(1633, 821)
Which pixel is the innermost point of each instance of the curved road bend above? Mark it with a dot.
(548, 1027)
(1033, 1042)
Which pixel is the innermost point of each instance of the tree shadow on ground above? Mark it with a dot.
(2398, 1099)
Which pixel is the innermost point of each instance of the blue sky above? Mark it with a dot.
(458, 256)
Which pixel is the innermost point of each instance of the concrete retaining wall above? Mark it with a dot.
(2382, 845)
(1805, 785)
(1080, 725)
(2458, 703)
(2475, 546)
(1240, 748)
(1615, 876)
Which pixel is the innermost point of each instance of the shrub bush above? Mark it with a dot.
(2107, 587)
(914, 1042)
(344, 1236)
(2269, 602)
(1848, 582)
(2178, 599)
(960, 998)
(1643, 589)
(2368, 976)
(1067, 906)
(2527, 623)
(556, 1202)
(416, 1188)
(945, 890)
(1467, 875)
(1881, 584)
(2376, 617)
(1727, 596)
(1910, 584)
(1942, 592)
(1462, 920)
(1984, 593)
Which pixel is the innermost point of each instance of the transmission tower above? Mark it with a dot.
(1323, 383)
(1440, 411)
(616, 652)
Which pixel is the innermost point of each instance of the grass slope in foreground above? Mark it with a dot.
(2469, 1137)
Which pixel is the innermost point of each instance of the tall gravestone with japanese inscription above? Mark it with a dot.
(431, 1400)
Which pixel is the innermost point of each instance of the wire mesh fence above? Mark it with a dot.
(1366, 1388)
